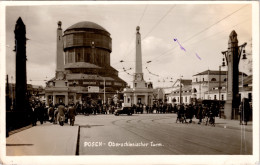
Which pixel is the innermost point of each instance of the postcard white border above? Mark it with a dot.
(151, 159)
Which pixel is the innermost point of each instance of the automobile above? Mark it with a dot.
(124, 110)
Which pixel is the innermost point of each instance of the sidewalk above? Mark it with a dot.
(233, 124)
(45, 139)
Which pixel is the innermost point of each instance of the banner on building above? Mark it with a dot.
(93, 89)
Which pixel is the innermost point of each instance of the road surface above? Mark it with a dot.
(157, 134)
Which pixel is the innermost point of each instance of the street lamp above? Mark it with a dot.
(219, 86)
(232, 56)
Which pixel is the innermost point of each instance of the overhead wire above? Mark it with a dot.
(143, 14)
(159, 21)
(132, 39)
(155, 25)
(201, 31)
(214, 24)
(201, 39)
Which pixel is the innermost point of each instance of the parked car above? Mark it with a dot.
(124, 110)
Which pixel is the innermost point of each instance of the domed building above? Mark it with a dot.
(83, 70)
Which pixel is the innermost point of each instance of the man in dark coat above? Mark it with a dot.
(33, 115)
(200, 113)
(40, 111)
(190, 112)
(244, 110)
(72, 114)
(61, 114)
(51, 113)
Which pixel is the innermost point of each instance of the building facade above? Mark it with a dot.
(207, 85)
(83, 70)
(181, 92)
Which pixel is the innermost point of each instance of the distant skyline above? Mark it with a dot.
(177, 39)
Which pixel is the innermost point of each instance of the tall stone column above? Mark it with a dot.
(232, 101)
(54, 99)
(145, 99)
(21, 77)
(47, 99)
(59, 49)
(138, 53)
(135, 99)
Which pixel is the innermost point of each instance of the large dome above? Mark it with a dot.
(86, 25)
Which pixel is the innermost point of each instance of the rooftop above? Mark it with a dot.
(215, 72)
(86, 25)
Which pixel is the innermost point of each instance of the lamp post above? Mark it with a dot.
(220, 87)
(232, 56)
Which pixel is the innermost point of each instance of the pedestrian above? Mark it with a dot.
(189, 112)
(61, 114)
(244, 111)
(71, 114)
(34, 115)
(51, 113)
(85, 108)
(56, 115)
(39, 111)
(134, 108)
(66, 114)
(147, 108)
(200, 113)
(175, 109)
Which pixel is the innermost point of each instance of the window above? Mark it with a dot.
(87, 57)
(215, 97)
(178, 99)
(225, 79)
(194, 90)
(70, 56)
(66, 57)
(222, 97)
(135, 84)
(196, 79)
(203, 79)
(185, 99)
(79, 55)
(213, 79)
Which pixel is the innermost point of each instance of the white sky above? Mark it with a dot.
(159, 24)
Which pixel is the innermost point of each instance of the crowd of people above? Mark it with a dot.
(199, 111)
(60, 114)
(56, 114)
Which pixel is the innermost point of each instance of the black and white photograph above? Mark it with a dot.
(158, 82)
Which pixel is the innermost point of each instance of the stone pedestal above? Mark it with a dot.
(228, 110)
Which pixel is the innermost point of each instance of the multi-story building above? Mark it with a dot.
(207, 85)
(181, 92)
(83, 70)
